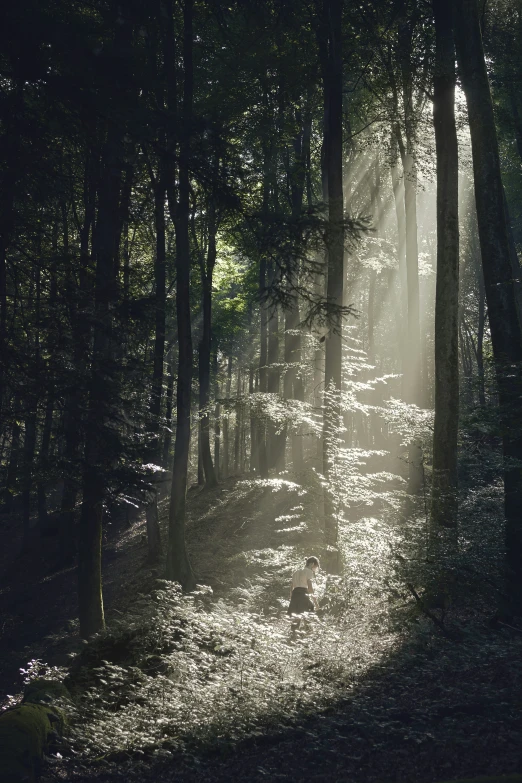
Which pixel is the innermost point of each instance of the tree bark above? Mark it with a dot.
(169, 395)
(217, 419)
(178, 564)
(237, 430)
(293, 386)
(80, 301)
(413, 363)
(100, 445)
(43, 458)
(14, 455)
(207, 272)
(401, 314)
(275, 450)
(335, 238)
(263, 387)
(444, 501)
(226, 422)
(505, 327)
(155, 548)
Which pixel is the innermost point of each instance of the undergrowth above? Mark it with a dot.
(183, 672)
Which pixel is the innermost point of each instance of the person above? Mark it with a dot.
(302, 596)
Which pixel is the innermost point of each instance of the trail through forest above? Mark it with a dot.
(396, 702)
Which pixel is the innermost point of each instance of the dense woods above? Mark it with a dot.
(247, 246)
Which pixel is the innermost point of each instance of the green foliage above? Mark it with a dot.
(218, 673)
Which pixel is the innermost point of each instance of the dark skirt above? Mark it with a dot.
(299, 602)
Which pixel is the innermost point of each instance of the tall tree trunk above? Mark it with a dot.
(217, 418)
(401, 313)
(334, 295)
(413, 363)
(275, 458)
(254, 453)
(226, 422)
(207, 272)
(263, 380)
(443, 530)
(168, 415)
(237, 430)
(14, 455)
(178, 564)
(506, 333)
(43, 458)
(103, 393)
(31, 416)
(293, 386)
(80, 301)
(155, 548)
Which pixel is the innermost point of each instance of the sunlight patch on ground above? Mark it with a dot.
(276, 484)
(295, 529)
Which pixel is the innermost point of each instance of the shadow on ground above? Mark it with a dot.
(424, 709)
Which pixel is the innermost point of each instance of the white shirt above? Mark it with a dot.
(300, 578)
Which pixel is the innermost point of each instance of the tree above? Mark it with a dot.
(333, 150)
(506, 332)
(444, 486)
(178, 565)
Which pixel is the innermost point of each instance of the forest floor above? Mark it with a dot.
(372, 693)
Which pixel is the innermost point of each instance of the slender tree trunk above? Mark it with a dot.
(371, 316)
(207, 271)
(275, 458)
(43, 458)
(14, 456)
(293, 386)
(80, 301)
(237, 431)
(217, 418)
(413, 363)
(254, 453)
(263, 380)
(155, 549)
(402, 309)
(168, 419)
(178, 564)
(443, 530)
(31, 418)
(226, 422)
(335, 283)
(103, 392)
(506, 334)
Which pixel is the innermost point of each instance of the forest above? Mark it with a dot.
(260, 323)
